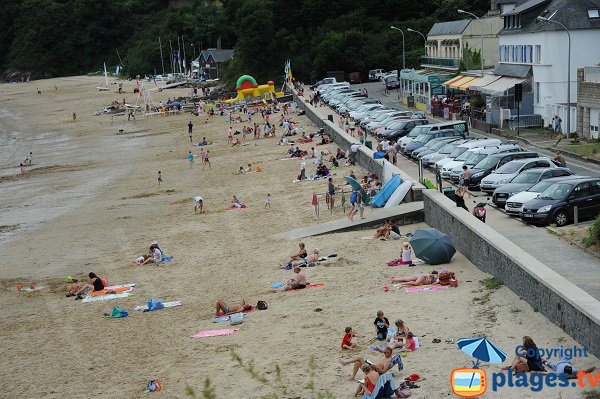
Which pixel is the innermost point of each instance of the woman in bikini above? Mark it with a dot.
(367, 385)
(223, 308)
(301, 254)
(419, 279)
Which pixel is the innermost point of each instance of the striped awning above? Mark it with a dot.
(467, 85)
(461, 82)
(454, 79)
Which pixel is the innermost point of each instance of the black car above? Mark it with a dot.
(557, 203)
(525, 180)
(403, 129)
(392, 82)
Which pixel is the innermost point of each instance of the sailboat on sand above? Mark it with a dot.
(105, 87)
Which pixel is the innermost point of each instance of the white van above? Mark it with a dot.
(461, 149)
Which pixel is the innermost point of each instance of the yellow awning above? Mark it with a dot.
(457, 83)
(454, 79)
(465, 86)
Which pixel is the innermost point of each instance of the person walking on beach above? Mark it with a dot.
(331, 194)
(22, 169)
(159, 179)
(190, 158)
(74, 117)
(190, 126)
(229, 135)
(198, 204)
(302, 168)
(29, 159)
(206, 161)
(268, 201)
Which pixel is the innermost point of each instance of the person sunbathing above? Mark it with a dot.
(223, 308)
(236, 202)
(380, 367)
(419, 279)
(96, 284)
(384, 230)
(297, 283)
(301, 254)
(73, 288)
(564, 366)
(154, 255)
(367, 385)
(311, 259)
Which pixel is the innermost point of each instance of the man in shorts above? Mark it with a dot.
(297, 283)
(381, 367)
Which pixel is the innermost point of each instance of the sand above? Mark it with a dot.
(91, 203)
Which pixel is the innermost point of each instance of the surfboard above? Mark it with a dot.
(386, 191)
(355, 185)
(398, 195)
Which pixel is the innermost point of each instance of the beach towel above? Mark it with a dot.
(384, 388)
(317, 285)
(114, 289)
(106, 297)
(215, 333)
(243, 311)
(35, 288)
(165, 259)
(398, 262)
(170, 304)
(226, 318)
(426, 288)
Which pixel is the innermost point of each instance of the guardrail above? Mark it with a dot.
(525, 121)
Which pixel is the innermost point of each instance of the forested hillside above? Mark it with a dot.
(64, 37)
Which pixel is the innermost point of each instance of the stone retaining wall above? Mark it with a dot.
(565, 304)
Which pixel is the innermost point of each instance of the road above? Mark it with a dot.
(567, 260)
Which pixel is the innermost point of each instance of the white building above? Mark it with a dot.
(543, 45)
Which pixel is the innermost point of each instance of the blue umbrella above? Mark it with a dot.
(482, 349)
(433, 246)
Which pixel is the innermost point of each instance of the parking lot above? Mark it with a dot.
(567, 260)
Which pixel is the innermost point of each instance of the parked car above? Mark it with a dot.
(480, 155)
(432, 146)
(364, 111)
(525, 180)
(355, 104)
(424, 138)
(430, 159)
(323, 82)
(556, 204)
(506, 173)
(458, 126)
(514, 204)
(371, 127)
(391, 82)
(401, 128)
(488, 165)
(375, 74)
(461, 153)
(378, 115)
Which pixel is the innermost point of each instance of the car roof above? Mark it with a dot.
(577, 179)
(527, 160)
(542, 170)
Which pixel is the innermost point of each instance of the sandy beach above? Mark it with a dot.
(91, 202)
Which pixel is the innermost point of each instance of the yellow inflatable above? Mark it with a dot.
(247, 87)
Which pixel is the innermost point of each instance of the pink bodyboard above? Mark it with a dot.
(215, 333)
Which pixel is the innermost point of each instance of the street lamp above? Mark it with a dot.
(403, 52)
(540, 18)
(481, 26)
(416, 31)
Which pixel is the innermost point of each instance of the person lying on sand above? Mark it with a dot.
(306, 261)
(73, 288)
(222, 307)
(297, 283)
(236, 202)
(528, 358)
(380, 367)
(419, 279)
(564, 366)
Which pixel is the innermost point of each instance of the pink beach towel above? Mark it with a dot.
(215, 333)
(426, 288)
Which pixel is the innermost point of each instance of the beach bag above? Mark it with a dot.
(445, 277)
(261, 305)
(403, 390)
(118, 312)
(353, 197)
(236, 318)
(155, 304)
(479, 212)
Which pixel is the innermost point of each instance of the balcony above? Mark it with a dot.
(448, 64)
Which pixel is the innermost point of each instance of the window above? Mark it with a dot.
(593, 13)
(538, 54)
(506, 52)
(581, 190)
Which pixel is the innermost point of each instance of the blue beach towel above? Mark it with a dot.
(166, 259)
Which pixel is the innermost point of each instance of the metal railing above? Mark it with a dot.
(441, 62)
(526, 121)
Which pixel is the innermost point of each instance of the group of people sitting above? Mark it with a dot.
(403, 340)
(155, 255)
(79, 291)
(301, 258)
(389, 231)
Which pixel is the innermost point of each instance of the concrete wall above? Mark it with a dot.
(565, 304)
(588, 102)
(365, 155)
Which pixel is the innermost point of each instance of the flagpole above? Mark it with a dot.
(161, 57)
(178, 54)
(183, 44)
(171, 57)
